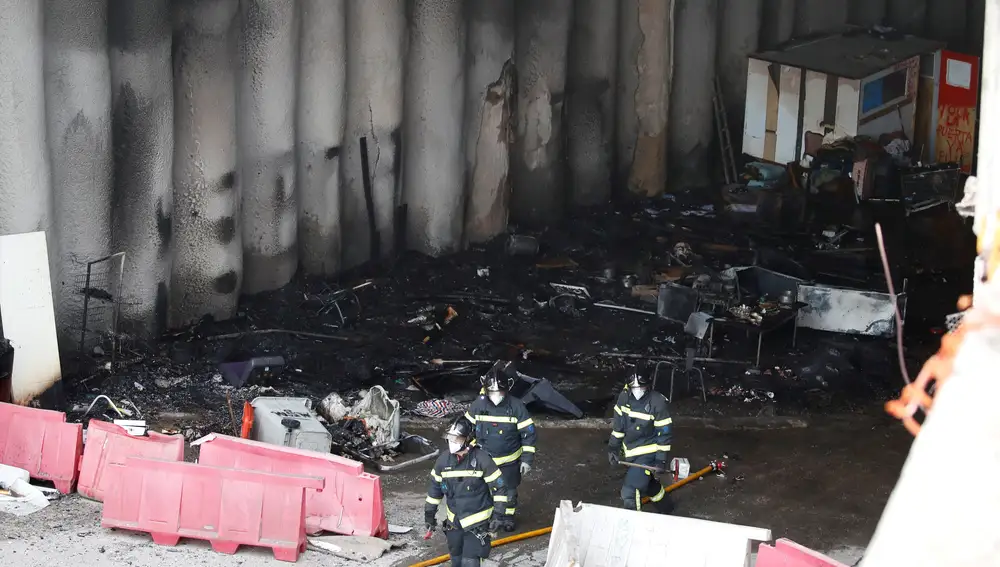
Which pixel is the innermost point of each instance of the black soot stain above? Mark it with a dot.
(226, 283)
(225, 229)
(332, 152)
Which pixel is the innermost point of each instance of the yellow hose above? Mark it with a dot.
(535, 533)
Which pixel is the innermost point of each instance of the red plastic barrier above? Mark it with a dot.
(787, 553)
(227, 507)
(42, 443)
(350, 503)
(109, 445)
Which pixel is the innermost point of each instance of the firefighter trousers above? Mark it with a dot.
(511, 480)
(640, 483)
(467, 548)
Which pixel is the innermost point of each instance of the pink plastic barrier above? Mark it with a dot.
(41, 442)
(227, 507)
(787, 553)
(351, 500)
(107, 448)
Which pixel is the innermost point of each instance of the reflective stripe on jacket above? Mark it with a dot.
(641, 427)
(506, 431)
(472, 486)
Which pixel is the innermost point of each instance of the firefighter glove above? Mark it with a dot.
(495, 525)
(430, 521)
(612, 458)
(525, 468)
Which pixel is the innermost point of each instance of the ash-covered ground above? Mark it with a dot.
(505, 309)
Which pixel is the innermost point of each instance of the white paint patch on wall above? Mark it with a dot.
(434, 162)
(376, 40)
(645, 69)
(848, 104)
(814, 106)
(691, 123)
(488, 132)
(207, 267)
(789, 99)
(25, 182)
(143, 138)
(266, 134)
(755, 122)
(590, 106)
(739, 36)
(322, 101)
(78, 116)
(539, 193)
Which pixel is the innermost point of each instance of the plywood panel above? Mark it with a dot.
(789, 94)
(755, 117)
(28, 315)
(814, 105)
(848, 105)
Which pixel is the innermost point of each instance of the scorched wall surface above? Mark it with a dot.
(216, 142)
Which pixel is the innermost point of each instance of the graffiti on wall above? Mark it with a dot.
(956, 132)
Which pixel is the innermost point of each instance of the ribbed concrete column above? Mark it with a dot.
(946, 21)
(539, 193)
(645, 67)
(266, 133)
(488, 122)
(434, 160)
(78, 112)
(321, 116)
(691, 122)
(908, 16)
(590, 106)
(208, 245)
(974, 25)
(778, 22)
(143, 137)
(867, 12)
(819, 16)
(25, 179)
(739, 34)
(376, 39)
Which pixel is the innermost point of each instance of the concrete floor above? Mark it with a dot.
(823, 486)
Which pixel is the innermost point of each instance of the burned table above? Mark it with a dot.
(770, 322)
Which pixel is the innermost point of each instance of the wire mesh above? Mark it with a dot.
(101, 287)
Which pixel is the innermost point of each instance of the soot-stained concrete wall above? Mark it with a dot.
(143, 136)
(542, 44)
(78, 113)
(376, 45)
(739, 36)
(646, 42)
(216, 142)
(691, 127)
(208, 241)
(434, 156)
(489, 133)
(266, 134)
(322, 108)
(590, 100)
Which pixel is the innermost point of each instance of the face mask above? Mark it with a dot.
(454, 447)
(638, 393)
(496, 397)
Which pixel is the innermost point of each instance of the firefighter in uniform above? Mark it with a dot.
(505, 429)
(641, 434)
(474, 488)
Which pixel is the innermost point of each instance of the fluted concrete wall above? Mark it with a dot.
(590, 104)
(207, 270)
(78, 113)
(433, 170)
(216, 142)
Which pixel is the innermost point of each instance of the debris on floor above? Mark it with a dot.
(357, 548)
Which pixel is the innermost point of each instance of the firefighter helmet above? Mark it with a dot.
(459, 430)
(638, 377)
(499, 378)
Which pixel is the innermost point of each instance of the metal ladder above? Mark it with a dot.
(725, 141)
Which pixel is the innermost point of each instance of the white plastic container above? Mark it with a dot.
(302, 430)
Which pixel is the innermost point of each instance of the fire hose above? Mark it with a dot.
(714, 466)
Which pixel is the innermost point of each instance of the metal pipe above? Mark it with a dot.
(671, 358)
(716, 465)
(623, 308)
